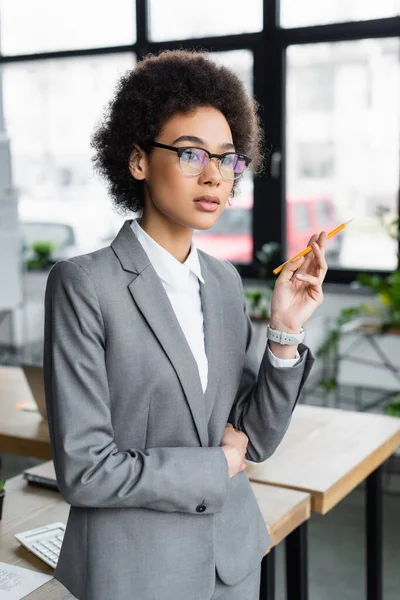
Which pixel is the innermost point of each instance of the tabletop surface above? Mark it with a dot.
(21, 432)
(328, 452)
(283, 509)
(28, 507)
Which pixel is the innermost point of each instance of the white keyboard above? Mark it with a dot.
(44, 542)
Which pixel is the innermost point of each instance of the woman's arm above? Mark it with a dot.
(267, 394)
(91, 470)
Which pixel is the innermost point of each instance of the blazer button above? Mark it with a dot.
(201, 508)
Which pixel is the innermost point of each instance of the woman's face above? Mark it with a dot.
(169, 193)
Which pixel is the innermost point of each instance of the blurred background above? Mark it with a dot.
(329, 92)
(326, 75)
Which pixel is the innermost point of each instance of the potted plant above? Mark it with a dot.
(258, 303)
(259, 299)
(393, 408)
(384, 318)
(265, 256)
(42, 256)
(37, 263)
(388, 290)
(2, 495)
(329, 349)
(387, 287)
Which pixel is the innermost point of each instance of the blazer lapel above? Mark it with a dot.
(213, 331)
(152, 300)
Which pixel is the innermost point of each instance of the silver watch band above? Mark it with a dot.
(284, 338)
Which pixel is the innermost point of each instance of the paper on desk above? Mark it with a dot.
(28, 406)
(16, 582)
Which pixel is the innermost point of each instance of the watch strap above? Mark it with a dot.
(284, 338)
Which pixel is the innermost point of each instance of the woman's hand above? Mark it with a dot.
(298, 289)
(234, 444)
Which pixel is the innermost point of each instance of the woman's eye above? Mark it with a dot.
(228, 160)
(191, 156)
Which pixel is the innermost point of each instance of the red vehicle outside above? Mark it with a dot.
(306, 216)
(231, 239)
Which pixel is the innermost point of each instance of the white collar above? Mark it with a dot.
(167, 267)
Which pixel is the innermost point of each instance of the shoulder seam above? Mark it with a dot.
(93, 286)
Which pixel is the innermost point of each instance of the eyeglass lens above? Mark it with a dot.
(193, 161)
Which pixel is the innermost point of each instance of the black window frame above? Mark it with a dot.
(269, 50)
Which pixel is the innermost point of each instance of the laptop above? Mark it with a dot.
(42, 475)
(34, 377)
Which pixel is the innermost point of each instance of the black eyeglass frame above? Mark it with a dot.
(183, 149)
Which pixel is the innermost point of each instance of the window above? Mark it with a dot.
(50, 141)
(174, 20)
(301, 215)
(314, 85)
(296, 13)
(324, 213)
(33, 26)
(348, 150)
(340, 158)
(316, 160)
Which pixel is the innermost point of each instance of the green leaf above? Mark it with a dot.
(328, 384)
(393, 408)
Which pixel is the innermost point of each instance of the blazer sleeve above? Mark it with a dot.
(90, 469)
(267, 394)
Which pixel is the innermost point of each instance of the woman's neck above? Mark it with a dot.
(176, 239)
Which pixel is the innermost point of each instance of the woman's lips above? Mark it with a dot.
(208, 206)
(207, 202)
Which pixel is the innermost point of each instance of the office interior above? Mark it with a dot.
(326, 76)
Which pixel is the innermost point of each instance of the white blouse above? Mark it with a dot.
(181, 281)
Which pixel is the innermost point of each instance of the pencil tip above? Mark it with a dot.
(347, 222)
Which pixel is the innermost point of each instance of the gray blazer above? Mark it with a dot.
(136, 443)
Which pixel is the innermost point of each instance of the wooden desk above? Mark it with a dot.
(28, 507)
(327, 453)
(21, 432)
(284, 511)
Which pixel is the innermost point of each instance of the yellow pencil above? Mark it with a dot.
(309, 248)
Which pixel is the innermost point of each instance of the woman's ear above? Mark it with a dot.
(138, 163)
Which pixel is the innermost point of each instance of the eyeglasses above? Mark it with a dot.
(193, 161)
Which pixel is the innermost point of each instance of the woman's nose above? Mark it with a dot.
(211, 172)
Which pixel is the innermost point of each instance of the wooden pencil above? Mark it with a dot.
(309, 248)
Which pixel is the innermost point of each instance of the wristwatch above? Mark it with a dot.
(284, 338)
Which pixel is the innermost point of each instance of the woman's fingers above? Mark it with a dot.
(316, 257)
(312, 279)
(289, 269)
(322, 266)
(309, 257)
(315, 286)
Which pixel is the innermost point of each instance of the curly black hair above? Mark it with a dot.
(160, 86)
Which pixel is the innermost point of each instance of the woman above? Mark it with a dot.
(152, 386)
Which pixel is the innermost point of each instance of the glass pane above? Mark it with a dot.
(174, 20)
(65, 25)
(343, 130)
(295, 13)
(60, 198)
(231, 236)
